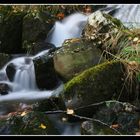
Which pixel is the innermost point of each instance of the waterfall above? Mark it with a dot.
(24, 88)
(25, 75)
(70, 27)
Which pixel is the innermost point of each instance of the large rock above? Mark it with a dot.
(35, 31)
(11, 33)
(51, 104)
(41, 46)
(99, 83)
(104, 31)
(10, 71)
(119, 115)
(4, 88)
(46, 77)
(75, 56)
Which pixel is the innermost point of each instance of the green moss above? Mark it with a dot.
(90, 72)
(99, 83)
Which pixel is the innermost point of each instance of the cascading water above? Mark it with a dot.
(70, 27)
(25, 75)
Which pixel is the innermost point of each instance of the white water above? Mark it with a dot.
(24, 87)
(128, 14)
(70, 27)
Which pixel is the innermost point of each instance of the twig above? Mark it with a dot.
(107, 126)
(55, 112)
(85, 118)
(95, 120)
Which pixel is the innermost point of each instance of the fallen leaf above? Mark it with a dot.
(60, 15)
(23, 113)
(70, 111)
(135, 39)
(114, 126)
(42, 126)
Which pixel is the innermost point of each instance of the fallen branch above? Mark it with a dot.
(82, 117)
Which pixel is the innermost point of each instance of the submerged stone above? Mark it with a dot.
(4, 88)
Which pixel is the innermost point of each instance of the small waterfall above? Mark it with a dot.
(25, 76)
(24, 88)
(70, 27)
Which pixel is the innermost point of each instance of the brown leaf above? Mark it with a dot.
(114, 126)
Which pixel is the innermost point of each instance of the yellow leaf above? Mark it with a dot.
(135, 39)
(23, 113)
(42, 126)
(70, 111)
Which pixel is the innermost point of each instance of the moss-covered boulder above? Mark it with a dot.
(104, 31)
(46, 77)
(11, 33)
(75, 56)
(4, 58)
(35, 30)
(100, 83)
(28, 123)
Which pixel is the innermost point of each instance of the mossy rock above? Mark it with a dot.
(75, 56)
(121, 115)
(11, 33)
(100, 83)
(32, 123)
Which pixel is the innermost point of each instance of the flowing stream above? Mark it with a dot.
(24, 86)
